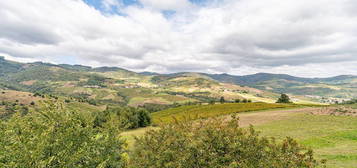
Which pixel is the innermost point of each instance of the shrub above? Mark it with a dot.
(283, 99)
(216, 144)
(126, 117)
(54, 137)
(222, 100)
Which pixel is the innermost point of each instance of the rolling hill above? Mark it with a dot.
(113, 85)
(323, 89)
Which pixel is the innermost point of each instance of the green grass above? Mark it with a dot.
(206, 111)
(331, 137)
(351, 105)
(83, 107)
(130, 135)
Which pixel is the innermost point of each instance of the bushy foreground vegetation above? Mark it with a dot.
(216, 144)
(56, 137)
(212, 110)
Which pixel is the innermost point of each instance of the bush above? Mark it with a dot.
(54, 137)
(222, 100)
(283, 99)
(125, 117)
(216, 144)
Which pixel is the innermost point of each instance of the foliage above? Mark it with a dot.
(283, 99)
(94, 80)
(212, 110)
(216, 144)
(222, 100)
(150, 107)
(55, 137)
(127, 117)
(12, 108)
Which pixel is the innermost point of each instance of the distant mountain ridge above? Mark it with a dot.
(261, 77)
(12, 73)
(224, 77)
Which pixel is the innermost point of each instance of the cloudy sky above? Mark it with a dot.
(309, 38)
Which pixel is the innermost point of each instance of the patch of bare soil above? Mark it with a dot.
(29, 83)
(257, 118)
(336, 111)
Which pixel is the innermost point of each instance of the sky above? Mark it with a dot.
(306, 38)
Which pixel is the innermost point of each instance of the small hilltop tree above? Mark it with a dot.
(284, 98)
(222, 100)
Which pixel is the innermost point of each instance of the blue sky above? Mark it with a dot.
(98, 4)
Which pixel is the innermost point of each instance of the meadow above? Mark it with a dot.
(331, 137)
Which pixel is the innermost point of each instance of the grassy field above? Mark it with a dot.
(206, 111)
(332, 137)
(352, 105)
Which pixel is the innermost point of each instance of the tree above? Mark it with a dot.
(124, 117)
(216, 143)
(283, 99)
(55, 137)
(222, 100)
(144, 118)
(237, 100)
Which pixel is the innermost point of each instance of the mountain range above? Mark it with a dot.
(116, 85)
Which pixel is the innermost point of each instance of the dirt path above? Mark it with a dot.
(257, 118)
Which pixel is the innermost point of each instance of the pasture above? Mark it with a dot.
(331, 137)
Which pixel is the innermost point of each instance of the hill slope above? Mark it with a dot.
(325, 89)
(112, 85)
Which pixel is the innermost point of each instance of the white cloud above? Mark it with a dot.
(167, 4)
(108, 4)
(303, 38)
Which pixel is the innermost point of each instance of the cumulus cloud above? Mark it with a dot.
(167, 5)
(303, 38)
